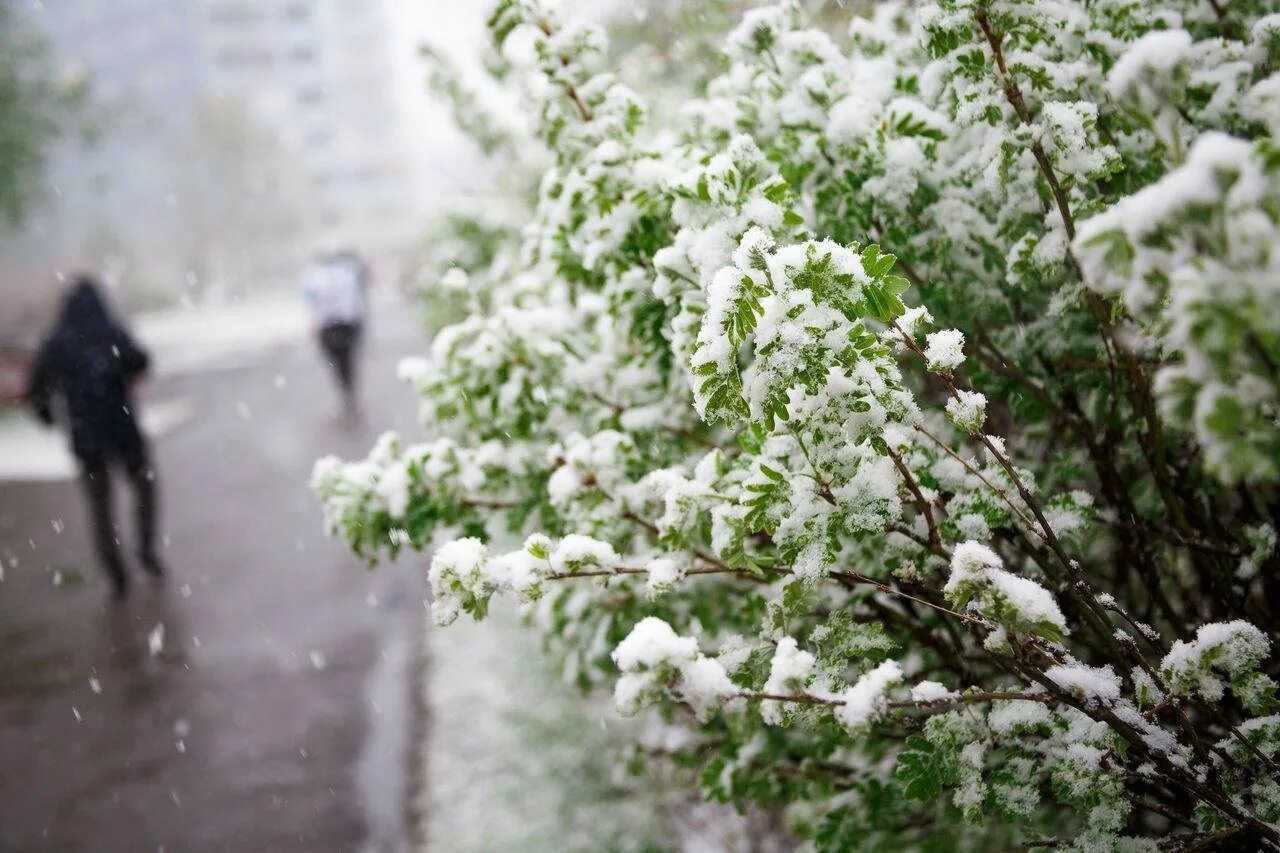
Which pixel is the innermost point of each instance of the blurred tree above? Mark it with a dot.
(36, 105)
(240, 196)
(445, 79)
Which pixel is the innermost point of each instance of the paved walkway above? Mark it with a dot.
(256, 701)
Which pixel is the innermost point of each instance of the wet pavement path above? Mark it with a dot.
(273, 712)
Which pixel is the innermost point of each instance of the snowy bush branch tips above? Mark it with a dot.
(901, 415)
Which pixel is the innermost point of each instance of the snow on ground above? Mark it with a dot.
(31, 451)
(221, 337)
(384, 769)
(513, 759)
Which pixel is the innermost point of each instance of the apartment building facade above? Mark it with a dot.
(236, 138)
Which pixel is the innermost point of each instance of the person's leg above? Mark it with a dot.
(346, 347)
(337, 339)
(333, 343)
(353, 349)
(325, 338)
(142, 476)
(97, 486)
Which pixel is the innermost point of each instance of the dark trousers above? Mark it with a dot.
(338, 340)
(95, 475)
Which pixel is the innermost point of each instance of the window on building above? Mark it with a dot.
(243, 56)
(311, 95)
(234, 12)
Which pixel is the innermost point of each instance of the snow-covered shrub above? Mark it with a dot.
(462, 255)
(901, 414)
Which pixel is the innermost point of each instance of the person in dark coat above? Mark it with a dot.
(84, 372)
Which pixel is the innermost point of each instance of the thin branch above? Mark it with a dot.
(486, 503)
(1163, 811)
(569, 89)
(969, 697)
(616, 571)
(1000, 492)
(682, 432)
(935, 538)
(1014, 96)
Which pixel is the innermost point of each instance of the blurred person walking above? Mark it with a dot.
(335, 287)
(84, 375)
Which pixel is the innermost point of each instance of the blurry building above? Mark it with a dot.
(236, 138)
(320, 74)
(109, 204)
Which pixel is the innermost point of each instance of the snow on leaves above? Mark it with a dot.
(752, 475)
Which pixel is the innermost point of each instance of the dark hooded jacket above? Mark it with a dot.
(88, 362)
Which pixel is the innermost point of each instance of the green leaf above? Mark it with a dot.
(895, 284)
(884, 306)
(883, 265)
(775, 190)
(842, 829)
(919, 771)
(797, 598)
(776, 476)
